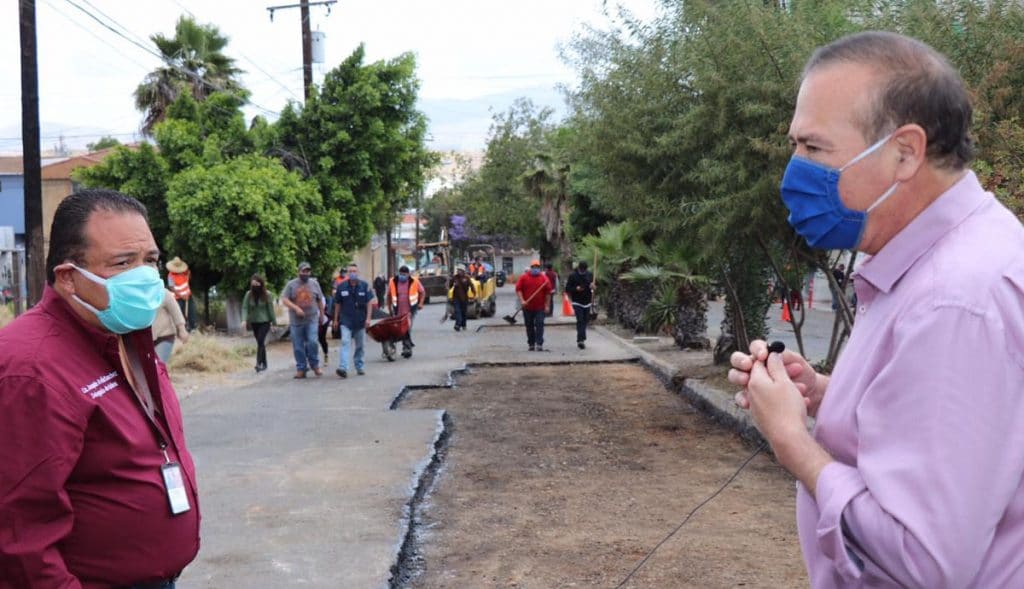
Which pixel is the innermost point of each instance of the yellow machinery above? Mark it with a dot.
(483, 301)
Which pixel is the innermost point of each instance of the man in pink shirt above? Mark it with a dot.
(912, 475)
(97, 486)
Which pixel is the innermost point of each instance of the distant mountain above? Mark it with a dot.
(461, 124)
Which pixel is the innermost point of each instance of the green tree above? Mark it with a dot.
(103, 143)
(496, 200)
(244, 215)
(194, 63)
(363, 141)
(138, 172)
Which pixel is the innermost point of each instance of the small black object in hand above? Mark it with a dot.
(776, 347)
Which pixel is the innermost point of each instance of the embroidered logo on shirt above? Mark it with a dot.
(100, 386)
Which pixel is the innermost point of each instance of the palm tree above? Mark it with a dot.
(194, 62)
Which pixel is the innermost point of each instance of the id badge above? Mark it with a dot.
(175, 485)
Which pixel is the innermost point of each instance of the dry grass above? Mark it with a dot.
(209, 354)
(6, 315)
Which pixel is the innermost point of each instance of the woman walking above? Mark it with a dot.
(258, 311)
(169, 323)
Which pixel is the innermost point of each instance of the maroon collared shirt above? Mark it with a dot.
(82, 499)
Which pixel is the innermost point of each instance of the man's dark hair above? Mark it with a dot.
(67, 233)
(919, 86)
(549, 266)
(582, 265)
(403, 269)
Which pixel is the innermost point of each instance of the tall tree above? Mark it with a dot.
(194, 62)
(363, 141)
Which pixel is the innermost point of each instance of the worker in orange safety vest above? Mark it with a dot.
(178, 276)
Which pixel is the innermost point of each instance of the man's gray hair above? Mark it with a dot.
(919, 86)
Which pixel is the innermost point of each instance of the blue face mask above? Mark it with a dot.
(134, 296)
(353, 276)
(403, 277)
(811, 193)
(534, 271)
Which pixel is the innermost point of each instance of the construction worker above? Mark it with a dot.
(405, 297)
(178, 276)
(533, 290)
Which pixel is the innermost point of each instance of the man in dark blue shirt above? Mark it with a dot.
(353, 304)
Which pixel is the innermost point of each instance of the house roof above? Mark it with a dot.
(62, 170)
(11, 165)
(59, 168)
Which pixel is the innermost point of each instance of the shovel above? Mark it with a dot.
(512, 318)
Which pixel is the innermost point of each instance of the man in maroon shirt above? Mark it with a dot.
(534, 290)
(97, 488)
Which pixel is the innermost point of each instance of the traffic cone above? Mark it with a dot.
(785, 311)
(567, 307)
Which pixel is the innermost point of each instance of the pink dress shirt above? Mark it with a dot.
(924, 414)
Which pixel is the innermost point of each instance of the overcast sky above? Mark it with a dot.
(472, 55)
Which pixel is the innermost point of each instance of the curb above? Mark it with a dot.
(717, 404)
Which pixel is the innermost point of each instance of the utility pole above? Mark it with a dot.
(307, 38)
(307, 50)
(36, 266)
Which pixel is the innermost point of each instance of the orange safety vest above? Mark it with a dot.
(180, 283)
(414, 291)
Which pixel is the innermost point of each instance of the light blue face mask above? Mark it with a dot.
(134, 297)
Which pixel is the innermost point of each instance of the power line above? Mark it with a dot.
(83, 136)
(87, 30)
(246, 57)
(162, 58)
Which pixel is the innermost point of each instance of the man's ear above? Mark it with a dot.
(63, 278)
(912, 143)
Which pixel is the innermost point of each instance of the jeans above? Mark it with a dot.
(347, 337)
(534, 327)
(582, 316)
(407, 344)
(259, 331)
(188, 310)
(460, 312)
(164, 349)
(305, 345)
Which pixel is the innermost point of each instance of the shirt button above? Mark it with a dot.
(863, 309)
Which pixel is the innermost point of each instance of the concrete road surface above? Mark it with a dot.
(307, 482)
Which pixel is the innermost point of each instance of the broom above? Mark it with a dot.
(512, 318)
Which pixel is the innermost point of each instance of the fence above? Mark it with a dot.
(13, 287)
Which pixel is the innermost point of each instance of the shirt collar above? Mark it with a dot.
(952, 207)
(55, 305)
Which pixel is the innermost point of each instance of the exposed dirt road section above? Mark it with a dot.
(566, 476)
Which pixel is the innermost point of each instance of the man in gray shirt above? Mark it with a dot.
(305, 302)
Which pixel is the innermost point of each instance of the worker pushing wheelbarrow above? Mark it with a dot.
(389, 331)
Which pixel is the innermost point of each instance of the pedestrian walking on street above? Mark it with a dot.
(305, 302)
(380, 288)
(580, 288)
(552, 276)
(911, 476)
(462, 287)
(405, 297)
(353, 306)
(168, 325)
(533, 292)
(258, 313)
(97, 486)
(325, 320)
